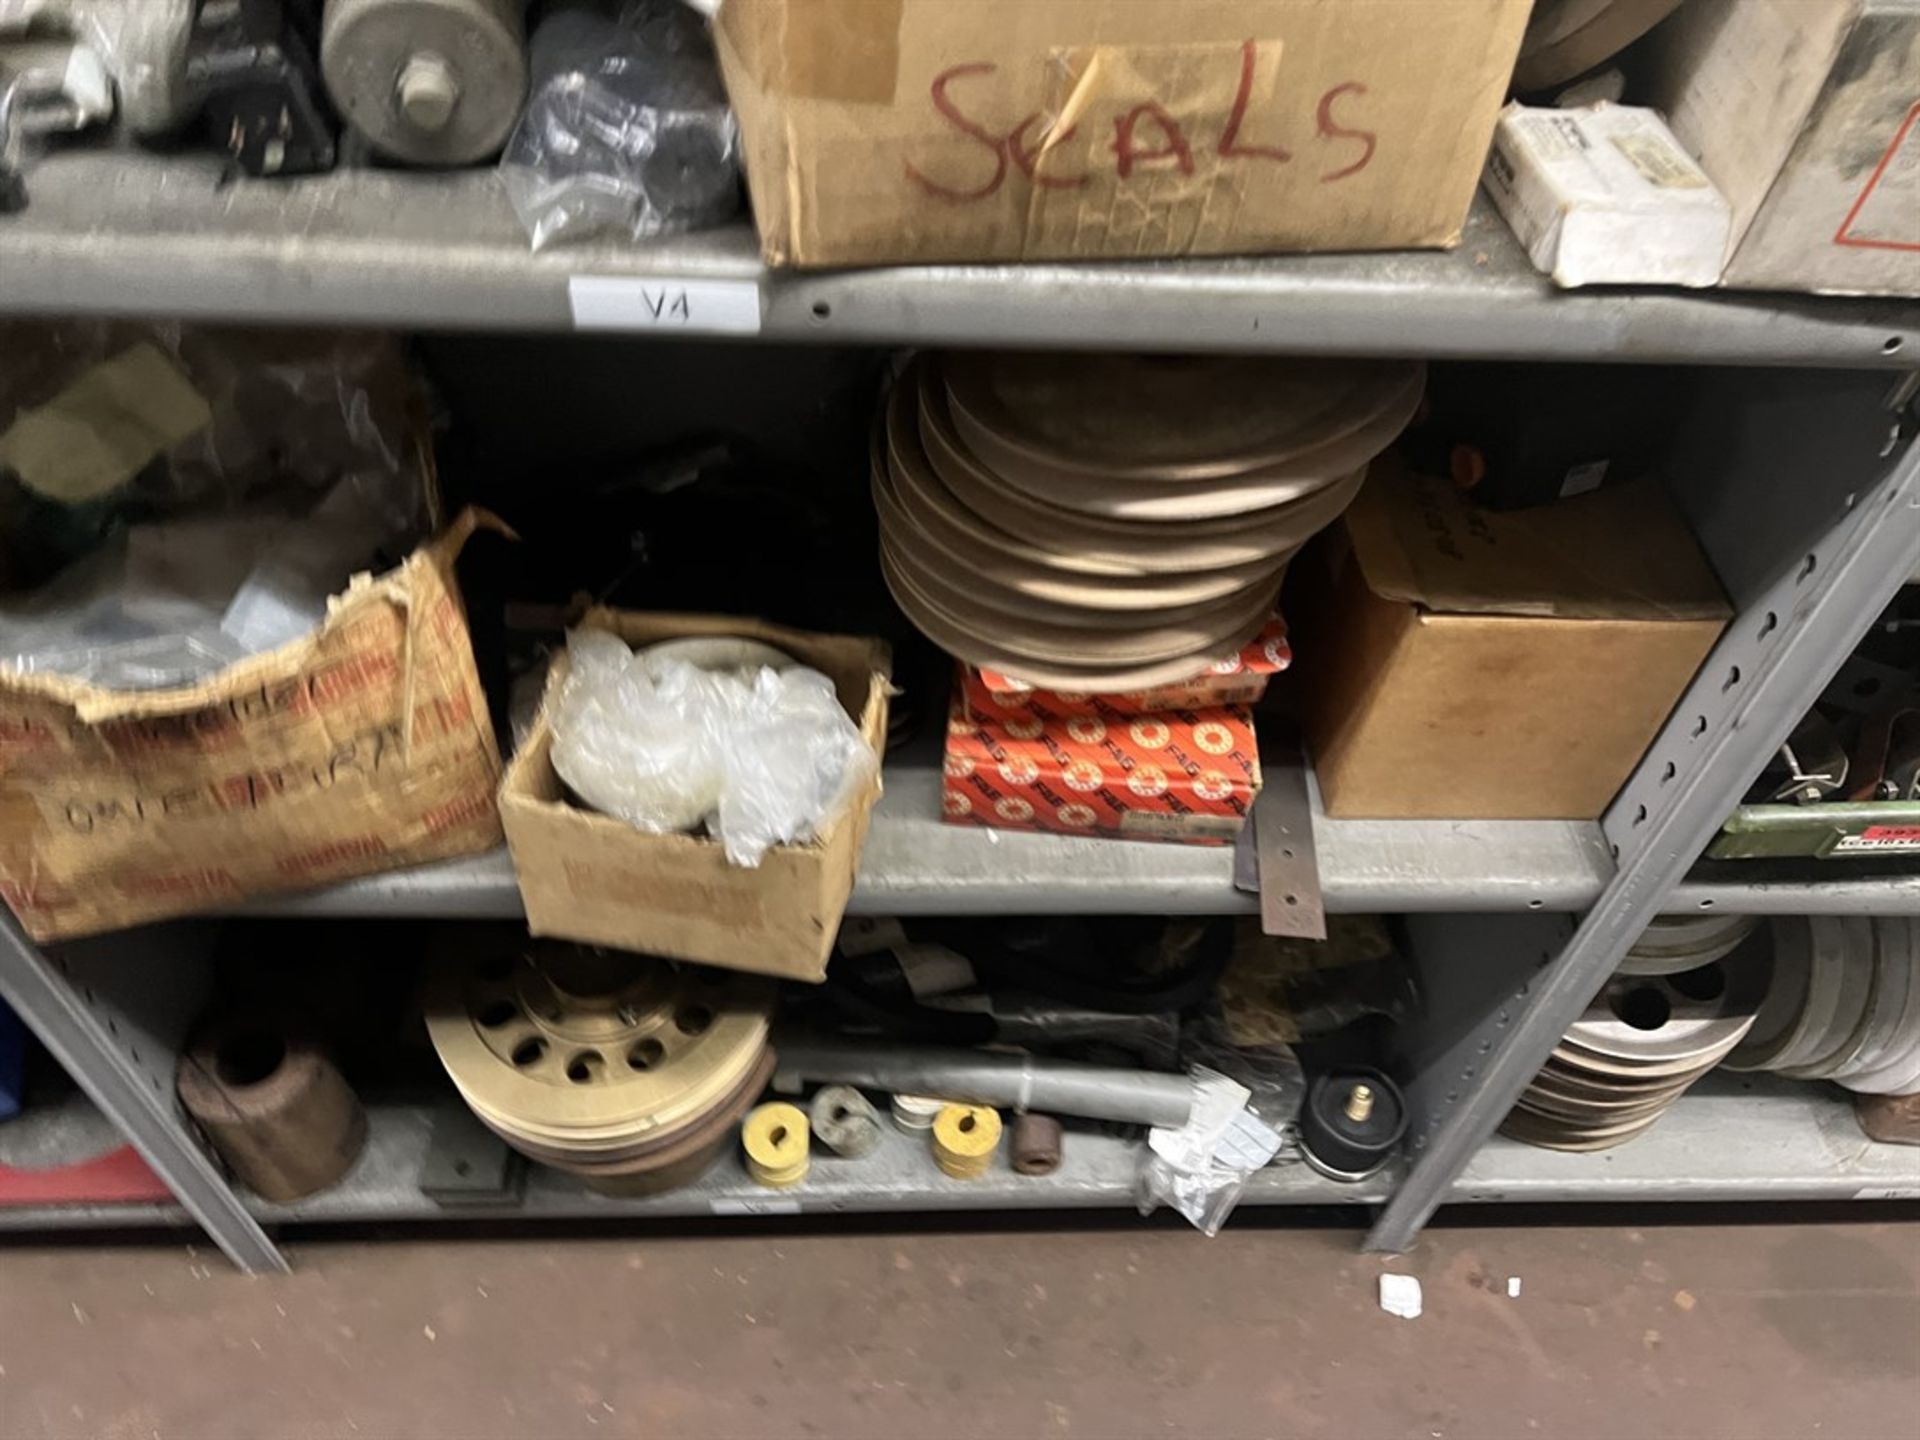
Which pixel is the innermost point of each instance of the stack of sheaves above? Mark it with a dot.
(1098, 523)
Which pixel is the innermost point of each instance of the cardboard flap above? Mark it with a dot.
(1619, 553)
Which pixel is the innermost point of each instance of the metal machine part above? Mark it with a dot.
(427, 82)
(1815, 761)
(1639, 1047)
(845, 1121)
(1673, 944)
(250, 68)
(47, 86)
(1038, 1142)
(1352, 1124)
(775, 1138)
(965, 1140)
(914, 1114)
(983, 1077)
(626, 1070)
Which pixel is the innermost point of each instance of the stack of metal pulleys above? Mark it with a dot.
(1843, 1004)
(1638, 1048)
(1101, 523)
(1673, 944)
(628, 1071)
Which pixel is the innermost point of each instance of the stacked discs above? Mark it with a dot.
(1843, 1004)
(629, 1071)
(1103, 523)
(1673, 944)
(1638, 1048)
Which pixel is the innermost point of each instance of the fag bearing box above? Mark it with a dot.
(1181, 775)
(1459, 663)
(364, 746)
(1240, 679)
(879, 131)
(1806, 114)
(590, 877)
(1605, 196)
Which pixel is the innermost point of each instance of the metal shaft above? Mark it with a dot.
(1019, 1082)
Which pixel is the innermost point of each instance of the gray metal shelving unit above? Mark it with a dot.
(1803, 485)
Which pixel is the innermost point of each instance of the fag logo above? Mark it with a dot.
(1019, 770)
(1013, 808)
(1229, 666)
(1028, 727)
(958, 804)
(961, 725)
(1010, 699)
(1083, 775)
(1213, 737)
(1276, 652)
(1087, 729)
(958, 767)
(1212, 785)
(1151, 734)
(1079, 817)
(1147, 781)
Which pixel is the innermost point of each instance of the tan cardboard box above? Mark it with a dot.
(1806, 114)
(903, 130)
(589, 877)
(365, 746)
(1457, 663)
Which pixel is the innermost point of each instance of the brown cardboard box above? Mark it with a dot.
(1457, 663)
(1806, 114)
(365, 746)
(904, 130)
(586, 876)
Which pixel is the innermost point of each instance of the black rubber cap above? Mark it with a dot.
(1340, 1145)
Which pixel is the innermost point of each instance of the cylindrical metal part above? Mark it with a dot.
(274, 1107)
(914, 1114)
(965, 1138)
(845, 1121)
(1020, 1082)
(1352, 1123)
(1037, 1141)
(775, 1138)
(427, 82)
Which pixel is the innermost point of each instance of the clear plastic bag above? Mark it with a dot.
(1201, 1169)
(758, 756)
(627, 128)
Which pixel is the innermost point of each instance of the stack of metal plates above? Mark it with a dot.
(1843, 1004)
(629, 1071)
(1103, 523)
(1674, 944)
(1638, 1048)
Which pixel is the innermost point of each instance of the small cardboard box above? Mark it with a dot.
(1807, 116)
(1457, 663)
(880, 131)
(364, 746)
(590, 877)
(1240, 679)
(1183, 775)
(1605, 196)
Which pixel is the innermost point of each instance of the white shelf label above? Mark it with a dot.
(691, 307)
(755, 1205)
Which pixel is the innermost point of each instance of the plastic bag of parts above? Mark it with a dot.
(1275, 1081)
(627, 128)
(757, 756)
(1201, 1169)
(173, 500)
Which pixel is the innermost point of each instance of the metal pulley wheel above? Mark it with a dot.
(627, 1070)
(1640, 1045)
(1673, 944)
(427, 82)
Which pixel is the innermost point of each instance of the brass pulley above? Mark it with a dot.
(628, 1070)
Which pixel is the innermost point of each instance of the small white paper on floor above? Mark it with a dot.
(1513, 1287)
(1400, 1295)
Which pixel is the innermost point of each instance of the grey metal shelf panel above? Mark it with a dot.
(1800, 887)
(916, 864)
(116, 231)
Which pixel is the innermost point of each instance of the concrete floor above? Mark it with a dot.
(1756, 1331)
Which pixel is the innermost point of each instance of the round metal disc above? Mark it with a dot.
(1879, 1036)
(1673, 944)
(1670, 1027)
(1838, 997)
(1896, 1069)
(1790, 972)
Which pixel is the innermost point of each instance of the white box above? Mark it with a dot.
(1605, 196)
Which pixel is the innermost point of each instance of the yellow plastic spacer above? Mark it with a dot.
(964, 1139)
(776, 1139)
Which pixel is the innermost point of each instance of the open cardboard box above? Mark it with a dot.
(590, 877)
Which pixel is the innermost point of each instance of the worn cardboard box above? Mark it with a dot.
(365, 746)
(1806, 114)
(1458, 663)
(1240, 679)
(883, 131)
(1182, 775)
(589, 877)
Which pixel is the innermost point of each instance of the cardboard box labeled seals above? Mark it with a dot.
(589, 877)
(1458, 663)
(362, 747)
(879, 131)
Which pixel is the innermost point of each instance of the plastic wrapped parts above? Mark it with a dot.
(627, 130)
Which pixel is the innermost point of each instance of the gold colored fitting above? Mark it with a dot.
(964, 1140)
(776, 1139)
(1359, 1103)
